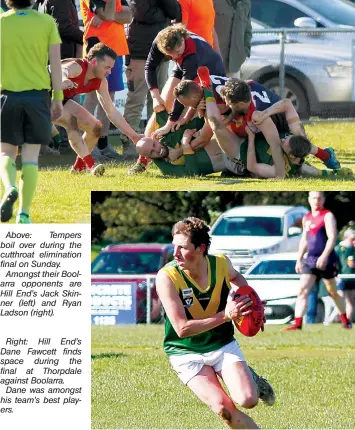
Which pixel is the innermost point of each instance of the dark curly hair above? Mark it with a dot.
(196, 229)
(235, 91)
(99, 51)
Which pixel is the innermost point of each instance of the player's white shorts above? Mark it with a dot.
(188, 365)
(234, 164)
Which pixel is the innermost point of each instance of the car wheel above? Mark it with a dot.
(294, 92)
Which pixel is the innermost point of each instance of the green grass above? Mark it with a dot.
(312, 372)
(65, 198)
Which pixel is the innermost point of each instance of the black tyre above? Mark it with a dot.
(294, 92)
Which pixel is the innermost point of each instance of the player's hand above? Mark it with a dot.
(158, 104)
(162, 131)
(322, 262)
(67, 84)
(174, 154)
(137, 137)
(258, 117)
(56, 110)
(96, 21)
(178, 124)
(298, 267)
(187, 136)
(238, 307)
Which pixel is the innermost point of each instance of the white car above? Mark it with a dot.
(274, 278)
(245, 233)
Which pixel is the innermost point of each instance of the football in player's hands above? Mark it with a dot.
(250, 324)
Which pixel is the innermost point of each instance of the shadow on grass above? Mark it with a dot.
(107, 355)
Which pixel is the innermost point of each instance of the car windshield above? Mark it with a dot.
(248, 226)
(274, 267)
(127, 263)
(338, 11)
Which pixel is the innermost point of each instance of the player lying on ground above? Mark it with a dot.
(228, 137)
(253, 105)
(180, 153)
(257, 158)
(82, 76)
(195, 291)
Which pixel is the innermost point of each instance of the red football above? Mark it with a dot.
(250, 324)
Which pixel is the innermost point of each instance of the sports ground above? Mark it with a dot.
(63, 198)
(312, 372)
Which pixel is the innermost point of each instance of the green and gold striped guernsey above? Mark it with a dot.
(200, 304)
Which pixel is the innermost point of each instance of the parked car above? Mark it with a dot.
(317, 81)
(245, 233)
(274, 278)
(135, 260)
(305, 13)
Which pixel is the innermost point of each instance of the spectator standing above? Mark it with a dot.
(233, 28)
(149, 17)
(103, 22)
(346, 255)
(199, 18)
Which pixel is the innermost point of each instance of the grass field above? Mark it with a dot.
(65, 198)
(312, 372)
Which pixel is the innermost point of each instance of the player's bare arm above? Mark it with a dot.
(176, 312)
(242, 303)
(331, 230)
(260, 170)
(113, 114)
(302, 248)
(70, 70)
(108, 12)
(55, 65)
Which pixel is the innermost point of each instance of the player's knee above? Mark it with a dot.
(333, 293)
(249, 401)
(97, 129)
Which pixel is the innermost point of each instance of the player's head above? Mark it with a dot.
(316, 200)
(349, 234)
(296, 147)
(189, 93)
(151, 148)
(102, 58)
(191, 241)
(19, 4)
(171, 40)
(236, 95)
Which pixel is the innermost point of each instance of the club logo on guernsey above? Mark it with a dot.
(188, 302)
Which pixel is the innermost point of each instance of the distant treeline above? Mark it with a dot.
(149, 216)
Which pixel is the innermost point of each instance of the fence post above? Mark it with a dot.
(282, 63)
(150, 284)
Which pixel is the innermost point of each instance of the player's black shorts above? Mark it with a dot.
(346, 285)
(329, 272)
(26, 117)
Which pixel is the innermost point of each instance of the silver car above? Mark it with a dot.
(318, 81)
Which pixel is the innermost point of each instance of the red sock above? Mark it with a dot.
(88, 161)
(344, 319)
(298, 322)
(322, 154)
(79, 164)
(204, 75)
(143, 160)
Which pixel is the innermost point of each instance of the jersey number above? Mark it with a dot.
(263, 97)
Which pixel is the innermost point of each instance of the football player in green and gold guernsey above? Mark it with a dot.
(196, 291)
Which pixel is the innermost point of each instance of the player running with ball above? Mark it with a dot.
(199, 333)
